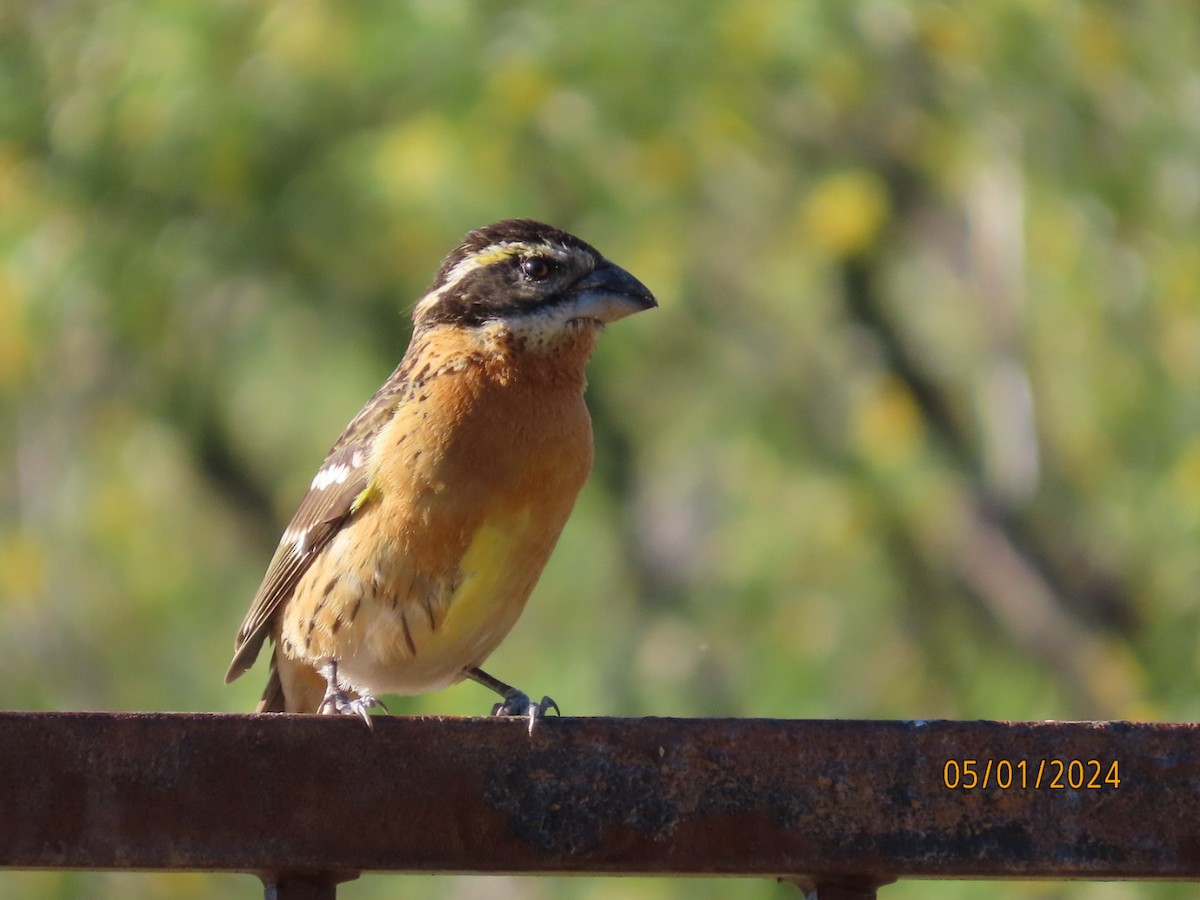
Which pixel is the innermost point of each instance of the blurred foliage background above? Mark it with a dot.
(915, 432)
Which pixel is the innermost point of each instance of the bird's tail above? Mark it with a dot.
(272, 697)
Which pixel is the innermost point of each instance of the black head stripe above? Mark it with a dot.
(481, 280)
(509, 231)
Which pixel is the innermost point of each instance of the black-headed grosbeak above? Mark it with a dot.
(429, 523)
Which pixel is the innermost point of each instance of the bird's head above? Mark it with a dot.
(532, 280)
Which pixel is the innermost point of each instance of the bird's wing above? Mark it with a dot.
(337, 492)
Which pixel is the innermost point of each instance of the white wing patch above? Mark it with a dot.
(337, 473)
(296, 537)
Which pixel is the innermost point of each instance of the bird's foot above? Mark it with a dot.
(517, 704)
(337, 702)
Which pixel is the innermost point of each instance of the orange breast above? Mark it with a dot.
(477, 474)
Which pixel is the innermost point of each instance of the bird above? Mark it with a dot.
(428, 524)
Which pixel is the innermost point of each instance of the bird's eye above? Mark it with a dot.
(536, 268)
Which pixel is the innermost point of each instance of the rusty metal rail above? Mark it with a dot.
(837, 807)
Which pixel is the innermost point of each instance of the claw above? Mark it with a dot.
(518, 704)
(337, 702)
(515, 703)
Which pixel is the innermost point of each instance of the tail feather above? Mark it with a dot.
(293, 686)
(272, 697)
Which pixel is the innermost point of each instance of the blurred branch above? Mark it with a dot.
(1043, 592)
(229, 477)
(654, 562)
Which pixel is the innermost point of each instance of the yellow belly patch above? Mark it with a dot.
(499, 570)
(494, 578)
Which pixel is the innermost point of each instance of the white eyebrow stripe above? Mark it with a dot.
(486, 257)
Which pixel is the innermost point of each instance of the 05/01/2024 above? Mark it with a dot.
(1043, 774)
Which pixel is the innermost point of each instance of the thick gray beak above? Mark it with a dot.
(610, 293)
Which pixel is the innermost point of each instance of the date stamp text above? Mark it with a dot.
(1031, 774)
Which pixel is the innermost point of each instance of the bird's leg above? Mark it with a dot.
(337, 702)
(515, 702)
